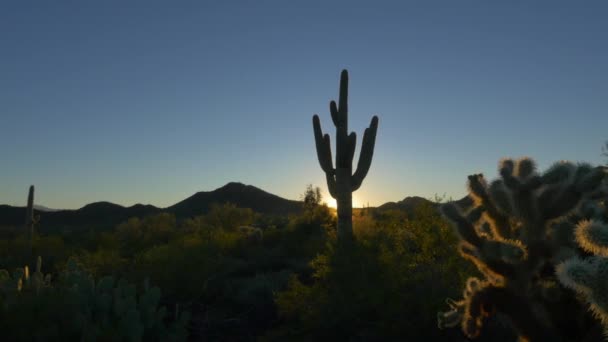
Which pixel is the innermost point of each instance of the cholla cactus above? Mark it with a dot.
(589, 276)
(517, 230)
(341, 182)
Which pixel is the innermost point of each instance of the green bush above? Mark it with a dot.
(384, 286)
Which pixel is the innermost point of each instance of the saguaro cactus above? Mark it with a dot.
(341, 182)
(30, 220)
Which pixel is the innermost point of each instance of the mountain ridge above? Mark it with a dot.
(108, 214)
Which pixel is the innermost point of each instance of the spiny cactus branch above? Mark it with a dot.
(526, 230)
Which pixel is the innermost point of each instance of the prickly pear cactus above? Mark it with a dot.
(113, 307)
(91, 310)
(22, 281)
(519, 230)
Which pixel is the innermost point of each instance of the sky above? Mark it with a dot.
(151, 101)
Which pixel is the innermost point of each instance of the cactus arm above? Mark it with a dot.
(521, 312)
(331, 185)
(367, 152)
(339, 113)
(592, 236)
(323, 147)
(463, 227)
(343, 100)
(479, 192)
(335, 116)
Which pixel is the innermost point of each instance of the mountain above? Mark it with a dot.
(43, 208)
(106, 215)
(410, 203)
(245, 196)
(99, 215)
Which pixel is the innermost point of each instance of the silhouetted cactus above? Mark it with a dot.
(519, 229)
(341, 181)
(30, 221)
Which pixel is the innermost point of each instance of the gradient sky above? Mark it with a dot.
(152, 101)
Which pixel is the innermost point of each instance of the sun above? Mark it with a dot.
(331, 202)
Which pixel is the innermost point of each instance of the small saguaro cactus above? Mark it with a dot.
(30, 220)
(341, 182)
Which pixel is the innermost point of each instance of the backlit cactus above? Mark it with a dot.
(341, 181)
(589, 276)
(518, 231)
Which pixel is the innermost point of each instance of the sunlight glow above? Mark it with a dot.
(331, 202)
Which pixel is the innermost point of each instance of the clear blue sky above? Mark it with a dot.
(151, 101)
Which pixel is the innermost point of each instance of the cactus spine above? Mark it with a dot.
(341, 182)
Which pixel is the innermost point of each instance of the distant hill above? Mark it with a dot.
(107, 215)
(245, 196)
(410, 203)
(103, 215)
(43, 208)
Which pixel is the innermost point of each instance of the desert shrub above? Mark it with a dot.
(228, 217)
(136, 234)
(184, 266)
(227, 279)
(14, 252)
(104, 262)
(384, 286)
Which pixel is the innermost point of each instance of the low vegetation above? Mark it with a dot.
(537, 242)
(236, 275)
